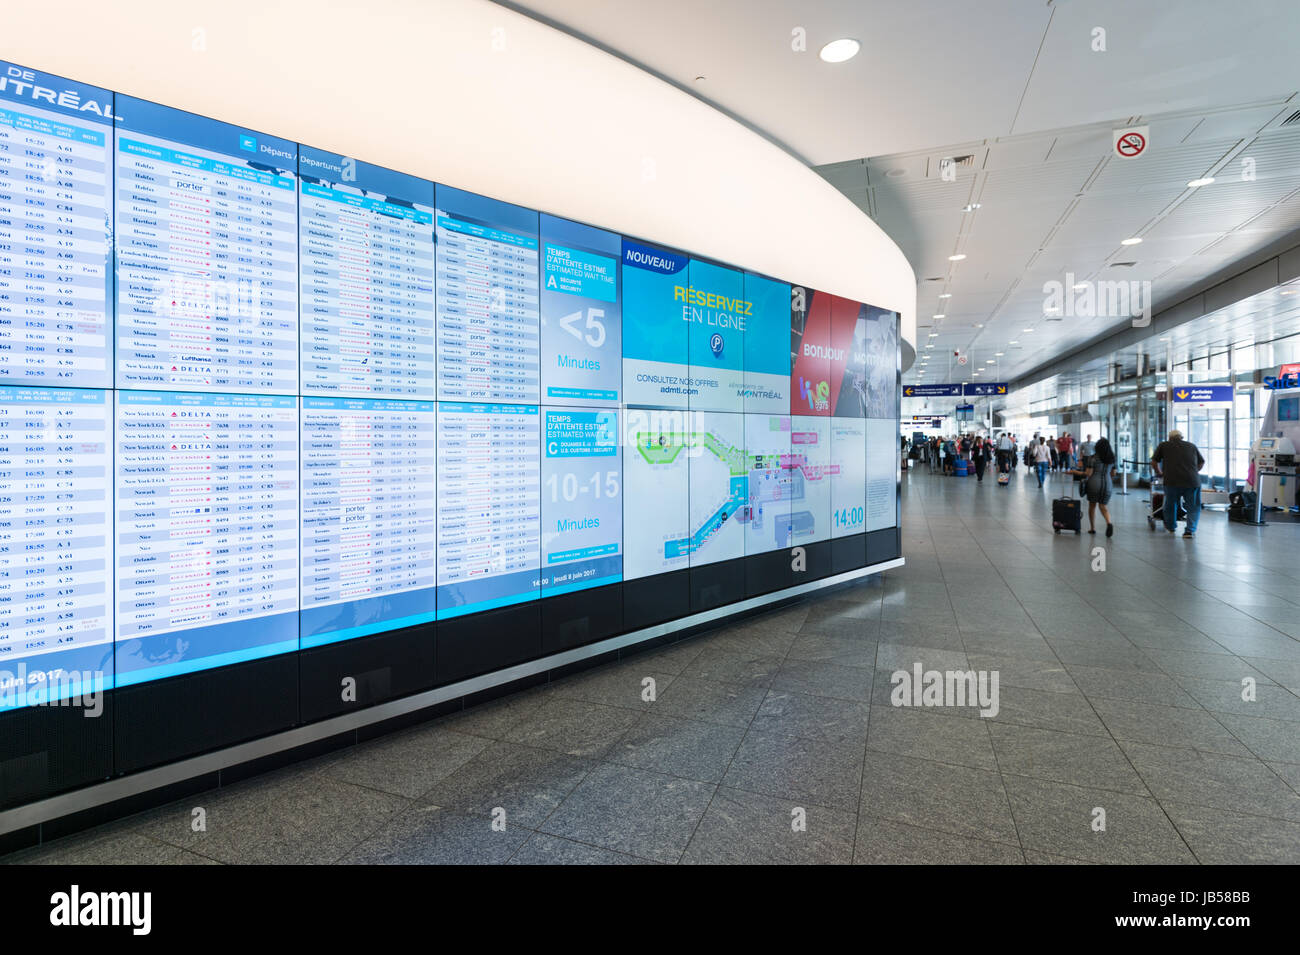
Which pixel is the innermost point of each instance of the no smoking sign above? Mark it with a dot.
(1132, 142)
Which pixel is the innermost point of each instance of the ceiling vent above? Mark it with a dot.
(967, 160)
(1291, 120)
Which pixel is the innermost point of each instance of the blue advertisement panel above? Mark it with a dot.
(582, 500)
(767, 345)
(366, 275)
(717, 315)
(655, 372)
(56, 224)
(582, 322)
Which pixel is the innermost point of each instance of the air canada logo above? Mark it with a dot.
(716, 345)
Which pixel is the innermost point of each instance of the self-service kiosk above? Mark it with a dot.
(1273, 453)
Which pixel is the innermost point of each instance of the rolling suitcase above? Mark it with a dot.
(1004, 479)
(1067, 515)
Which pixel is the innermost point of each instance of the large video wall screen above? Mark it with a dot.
(257, 397)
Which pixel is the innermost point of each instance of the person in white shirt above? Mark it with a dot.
(1042, 458)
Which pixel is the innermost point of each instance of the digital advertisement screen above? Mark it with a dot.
(882, 473)
(771, 482)
(829, 337)
(719, 487)
(655, 363)
(582, 322)
(257, 397)
(848, 476)
(365, 238)
(207, 254)
(810, 489)
(489, 332)
(717, 317)
(767, 346)
(656, 470)
(56, 219)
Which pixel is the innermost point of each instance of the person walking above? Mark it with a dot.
(979, 457)
(1006, 452)
(1042, 458)
(1179, 462)
(1097, 485)
(1065, 447)
(1086, 450)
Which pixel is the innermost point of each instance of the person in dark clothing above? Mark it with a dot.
(979, 456)
(1180, 462)
(1097, 484)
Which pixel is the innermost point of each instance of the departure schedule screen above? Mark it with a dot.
(258, 396)
(55, 231)
(366, 260)
(207, 254)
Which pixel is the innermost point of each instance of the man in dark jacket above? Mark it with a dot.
(1180, 463)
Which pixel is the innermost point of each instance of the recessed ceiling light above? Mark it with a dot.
(1012, 342)
(1133, 241)
(957, 258)
(999, 353)
(1028, 329)
(934, 334)
(1164, 339)
(979, 324)
(940, 315)
(971, 207)
(1076, 286)
(991, 361)
(1290, 291)
(1197, 183)
(945, 294)
(837, 51)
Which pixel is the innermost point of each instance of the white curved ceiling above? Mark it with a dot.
(1018, 85)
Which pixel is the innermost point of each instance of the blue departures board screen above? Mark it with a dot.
(257, 397)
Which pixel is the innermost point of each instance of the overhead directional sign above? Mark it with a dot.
(982, 388)
(932, 391)
(1203, 396)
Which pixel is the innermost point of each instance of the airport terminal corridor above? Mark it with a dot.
(1119, 689)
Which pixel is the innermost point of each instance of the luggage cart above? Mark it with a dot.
(1158, 504)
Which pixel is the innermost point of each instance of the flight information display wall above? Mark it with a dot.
(258, 397)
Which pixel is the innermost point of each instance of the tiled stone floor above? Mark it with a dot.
(1119, 689)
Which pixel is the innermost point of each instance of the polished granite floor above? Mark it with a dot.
(775, 741)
